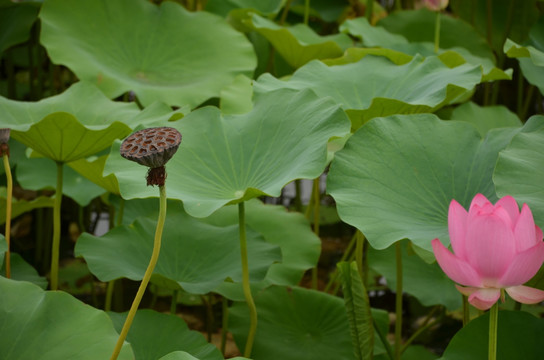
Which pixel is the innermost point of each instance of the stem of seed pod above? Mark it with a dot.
(245, 281)
(9, 180)
(56, 230)
(147, 275)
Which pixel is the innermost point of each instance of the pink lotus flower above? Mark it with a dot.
(435, 5)
(495, 247)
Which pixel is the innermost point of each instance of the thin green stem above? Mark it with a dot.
(359, 252)
(437, 33)
(224, 324)
(306, 11)
(466, 312)
(109, 295)
(317, 202)
(369, 10)
(347, 253)
(56, 230)
(398, 302)
(384, 340)
(147, 275)
(121, 212)
(493, 325)
(9, 181)
(285, 11)
(298, 199)
(245, 281)
(424, 326)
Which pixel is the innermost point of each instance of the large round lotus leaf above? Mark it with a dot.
(299, 44)
(52, 326)
(486, 118)
(520, 169)
(518, 337)
(418, 26)
(16, 20)
(371, 36)
(234, 158)
(75, 124)
(92, 170)
(223, 7)
(198, 256)
(178, 355)
(427, 282)
(295, 323)
(39, 174)
(396, 176)
(168, 333)
(375, 87)
(161, 52)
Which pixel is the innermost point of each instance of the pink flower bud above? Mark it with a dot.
(435, 5)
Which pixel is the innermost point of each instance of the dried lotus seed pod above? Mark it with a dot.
(153, 148)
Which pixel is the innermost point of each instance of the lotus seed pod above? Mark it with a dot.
(151, 147)
(4, 136)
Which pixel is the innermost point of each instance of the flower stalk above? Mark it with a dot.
(493, 326)
(55, 247)
(4, 152)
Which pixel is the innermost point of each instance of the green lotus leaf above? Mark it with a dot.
(299, 44)
(185, 252)
(3, 248)
(375, 87)
(36, 324)
(309, 325)
(21, 206)
(396, 176)
(233, 158)
(41, 173)
(427, 282)
(159, 52)
(236, 98)
(92, 169)
(371, 36)
(418, 26)
(23, 271)
(486, 118)
(353, 55)
(515, 338)
(170, 333)
(16, 20)
(178, 355)
(520, 169)
(328, 11)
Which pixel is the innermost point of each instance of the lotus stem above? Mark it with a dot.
(437, 33)
(224, 324)
(317, 202)
(9, 195)
(306, 11)
(55, 247)
(369, 10)
(466, 312)
(493, 325)
(398, 302)
(147, 275)
(109, 295)
(245, 281)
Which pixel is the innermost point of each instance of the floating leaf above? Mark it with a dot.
(176, 63)
(16, 20)
(37, 325)
(299, 44)
(486, 118)
(396, 176)
(185, 252)
(170, 333)
(375, 87)
(516, 338)
(520, 168)
(427, 282)
(233, 158)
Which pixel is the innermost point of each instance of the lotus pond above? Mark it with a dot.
(326, 179)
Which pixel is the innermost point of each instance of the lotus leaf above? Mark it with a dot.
(176, 63)
(185, 253)
(375, 87)
(396, 176)
(21, 206)
(520, 168)
(170, 333)
(485, 118)
(36, 324)
(16, 20)
(23, 271)
(233, 158)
